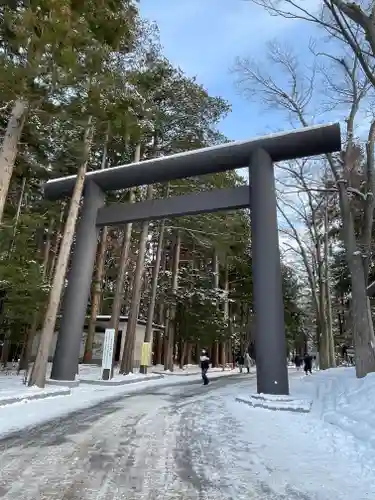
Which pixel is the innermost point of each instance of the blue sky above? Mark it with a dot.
(204, 37)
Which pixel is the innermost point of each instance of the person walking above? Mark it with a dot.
(240, 361)
(298, 361)
(205, 364)
(247, 362)
(307, 360)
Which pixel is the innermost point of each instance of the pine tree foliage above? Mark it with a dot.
(70, 61)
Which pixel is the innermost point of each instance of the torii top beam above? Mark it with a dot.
(304, 142)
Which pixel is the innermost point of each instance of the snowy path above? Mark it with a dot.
(170, 443)
(140, 446)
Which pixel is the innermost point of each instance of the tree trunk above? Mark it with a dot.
(222, 359)
(129, 289)
(362, 322)
(38, 373)
(175, 345)
(154, 281)
(124, 261)
(215, 354)
(119, 290)
(96, 295)
(99, 274)
(18, 213)
(27, 346)
(5, 352)
(197, 353)
(47, 249)
(330, 340)
(321, 307)
(340, 321)
(215, 284)
(224, 347)
(230, 351)
(131, 327)
(158, 349)
(363, 332)
(56, 246)
(171, 310)
(323, 340)
(215, 270)
(9, 148)
(189, 353)
(184, 354)
(161, 308)
(165, 340)
(30, 332)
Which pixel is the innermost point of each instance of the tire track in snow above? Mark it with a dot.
(151, 446)
(80, 465)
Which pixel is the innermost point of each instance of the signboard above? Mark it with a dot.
(146, 351)
(109, 340)
(145, 357)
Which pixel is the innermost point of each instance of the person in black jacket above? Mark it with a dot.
(205, 364)
(298, 361)
(307, 362)
(240, 361)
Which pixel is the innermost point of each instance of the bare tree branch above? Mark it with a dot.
(345, 21)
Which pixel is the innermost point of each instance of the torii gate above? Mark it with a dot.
(258, 155)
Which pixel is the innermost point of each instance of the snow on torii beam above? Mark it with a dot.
(308, 141)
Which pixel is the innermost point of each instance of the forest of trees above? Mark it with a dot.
(327, 204)
(85, 86)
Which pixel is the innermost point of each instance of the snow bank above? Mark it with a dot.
(340, 399)
(30, 394)
(12, 390)
(327, 453)
(276, 403)
(93, 374)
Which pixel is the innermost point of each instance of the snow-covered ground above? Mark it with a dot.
(190, 442)
(14, 418)
(342, 400)
(93, 373)
(11, 384)
(136, 448)
(325, 454)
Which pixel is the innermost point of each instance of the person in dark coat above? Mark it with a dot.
(240, 361)
(307, 361)
(205, 364)
(298, 361)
